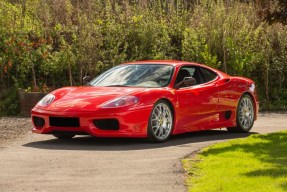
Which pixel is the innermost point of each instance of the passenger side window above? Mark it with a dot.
(209, 75)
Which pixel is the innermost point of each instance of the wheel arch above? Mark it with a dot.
(172, 110)
(169, 103)
(151, 135)
(238, 128)
(253, 99)
(254, 102)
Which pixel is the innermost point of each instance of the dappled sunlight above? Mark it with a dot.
(249, 162)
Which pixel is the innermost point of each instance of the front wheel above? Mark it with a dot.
(244, 115)
(160, 122)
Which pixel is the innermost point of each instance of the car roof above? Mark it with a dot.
(170, 62)
(176, 63)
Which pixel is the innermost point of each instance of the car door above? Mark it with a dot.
(196, 105)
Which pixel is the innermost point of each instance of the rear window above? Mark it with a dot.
(209, 75)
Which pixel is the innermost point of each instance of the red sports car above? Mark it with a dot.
(149, 99)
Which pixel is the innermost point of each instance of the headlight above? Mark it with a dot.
(47, 100)
(121, 102)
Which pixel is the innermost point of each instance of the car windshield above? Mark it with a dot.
(143, 75)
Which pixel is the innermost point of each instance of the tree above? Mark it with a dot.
(277, 13)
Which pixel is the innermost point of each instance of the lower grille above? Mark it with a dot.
(64, 121)
(69, 132)
(38, 121)
(107, 124)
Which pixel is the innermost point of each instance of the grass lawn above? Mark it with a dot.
(256, 163)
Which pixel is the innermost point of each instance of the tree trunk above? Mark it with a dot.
(35, 86)
(81, 74)
(23, 6)
(224, 59)
(267, 87)
(70, 75)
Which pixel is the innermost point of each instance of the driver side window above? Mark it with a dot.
(189, 71)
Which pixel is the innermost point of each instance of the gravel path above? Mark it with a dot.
(42, 163)
(12, 128)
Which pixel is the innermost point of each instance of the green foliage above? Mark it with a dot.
(277, 12)
(53, 44)
(9, 103)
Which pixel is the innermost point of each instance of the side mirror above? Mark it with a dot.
(186, 82)
(85, 80)
(189, 81)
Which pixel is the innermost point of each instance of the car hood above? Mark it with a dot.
(87, 98)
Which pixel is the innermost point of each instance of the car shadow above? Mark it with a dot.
(90, 143)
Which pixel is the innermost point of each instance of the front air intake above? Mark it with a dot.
(107, 124)
(38, 121)
(64, 121)
(227, 115)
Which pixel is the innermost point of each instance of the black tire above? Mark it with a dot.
(164, 123)
(245, 113)
(64, 136)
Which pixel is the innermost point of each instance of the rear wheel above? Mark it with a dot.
(64, 136)
(244, 115)
(160, 122)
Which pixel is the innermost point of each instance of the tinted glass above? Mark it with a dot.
(144, 75)
(193, 72)
(209, 75)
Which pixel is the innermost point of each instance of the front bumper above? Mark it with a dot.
(132, 123)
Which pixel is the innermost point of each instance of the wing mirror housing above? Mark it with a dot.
(189, 81)
(186, 82)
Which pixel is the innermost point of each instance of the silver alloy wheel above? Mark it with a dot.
(161, 121)
(246, 113)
